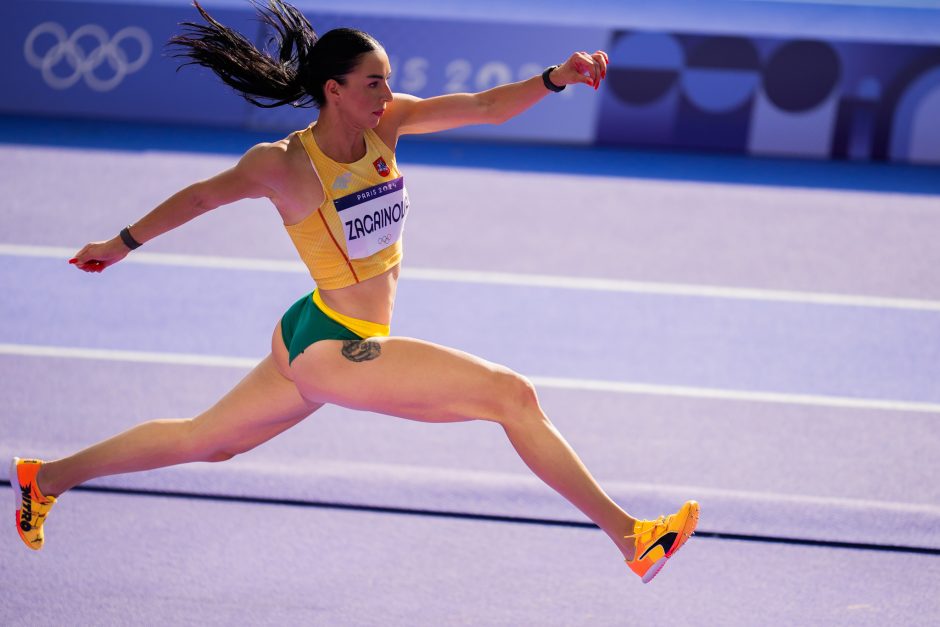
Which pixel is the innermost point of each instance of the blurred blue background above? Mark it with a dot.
(856, 80)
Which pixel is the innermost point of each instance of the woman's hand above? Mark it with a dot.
(581, 67)
(97, 256)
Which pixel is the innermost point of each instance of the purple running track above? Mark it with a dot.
(834, 474)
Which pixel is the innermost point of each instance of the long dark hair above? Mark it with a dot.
(295, 74)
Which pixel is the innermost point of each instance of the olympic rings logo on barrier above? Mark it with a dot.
(83, 64)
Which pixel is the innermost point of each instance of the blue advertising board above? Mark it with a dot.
(77, 59)
(773, 96)
(781, 88)
(110, 60)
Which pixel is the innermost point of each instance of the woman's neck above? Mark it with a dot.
(338, 141)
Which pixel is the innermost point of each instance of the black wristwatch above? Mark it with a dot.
(128, 239)
(549, 85)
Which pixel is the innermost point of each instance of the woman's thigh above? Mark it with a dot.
(262, 405)
(408, 378)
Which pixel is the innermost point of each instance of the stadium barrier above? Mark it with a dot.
(736, 88)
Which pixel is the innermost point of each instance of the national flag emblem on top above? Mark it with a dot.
(381, 167)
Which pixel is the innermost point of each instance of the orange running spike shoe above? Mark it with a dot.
(31, 505)
(657, 540)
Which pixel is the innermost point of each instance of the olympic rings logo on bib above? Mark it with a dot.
(68, 53)
(373, 218)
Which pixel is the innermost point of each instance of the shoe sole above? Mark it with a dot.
(15, 482)
(654, 569)
(687, 531)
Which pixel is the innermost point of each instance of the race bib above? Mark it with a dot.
(373, 218)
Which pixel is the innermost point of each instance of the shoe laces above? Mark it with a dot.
(655, 526)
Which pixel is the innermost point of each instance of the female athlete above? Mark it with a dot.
(342, 199)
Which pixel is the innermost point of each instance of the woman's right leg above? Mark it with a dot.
(262, 405)
(423, 381)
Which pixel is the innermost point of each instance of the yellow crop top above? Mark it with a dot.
(356, 233)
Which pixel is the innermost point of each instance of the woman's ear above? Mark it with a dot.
(331, 89)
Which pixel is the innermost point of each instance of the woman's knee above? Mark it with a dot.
(202, 447)
(515, 398)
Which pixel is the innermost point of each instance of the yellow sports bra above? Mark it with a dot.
(355, 234)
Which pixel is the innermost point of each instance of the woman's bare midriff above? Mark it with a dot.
(372, 299)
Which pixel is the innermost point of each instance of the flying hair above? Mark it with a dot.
(291, 68)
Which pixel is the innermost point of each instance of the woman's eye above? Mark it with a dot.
(373, 84)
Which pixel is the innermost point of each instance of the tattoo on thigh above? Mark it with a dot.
(361, 350)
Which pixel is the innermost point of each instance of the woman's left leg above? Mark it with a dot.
(422, 381)
(262, 405)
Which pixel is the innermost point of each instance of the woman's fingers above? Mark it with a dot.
(589, 69)
(92, 265)
(599, 60)
(97, 256)
(602, 62)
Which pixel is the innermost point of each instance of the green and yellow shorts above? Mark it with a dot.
(310, 320)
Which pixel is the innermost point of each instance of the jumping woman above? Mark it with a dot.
(340, 194)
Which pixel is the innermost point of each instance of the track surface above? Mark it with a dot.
(714, 361)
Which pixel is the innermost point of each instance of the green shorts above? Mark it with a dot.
(305, 324)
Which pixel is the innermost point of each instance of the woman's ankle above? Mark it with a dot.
(45, 482)
(622, 538)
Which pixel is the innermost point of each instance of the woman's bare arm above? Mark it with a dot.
(416, 115)
(252, 177)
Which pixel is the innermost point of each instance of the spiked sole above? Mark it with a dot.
(688, 530)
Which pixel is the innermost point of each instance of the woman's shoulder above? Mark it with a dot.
(283, 167)
(268, 153)
(272, 160)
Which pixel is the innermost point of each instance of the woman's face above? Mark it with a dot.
(362, 100)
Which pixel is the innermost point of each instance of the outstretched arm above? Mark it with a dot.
(247, 179)
(493, 106)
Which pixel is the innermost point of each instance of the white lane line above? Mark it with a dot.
(507, 278)
(588, 385)
(736, 395)
(164, 259)
(669, 289)
(107, 354)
